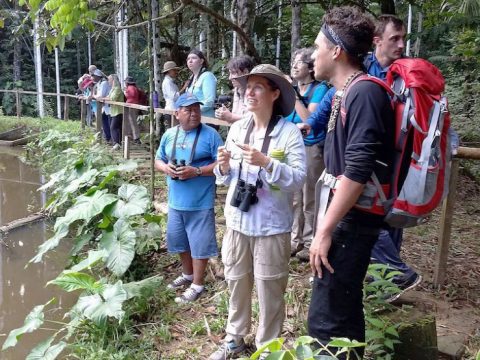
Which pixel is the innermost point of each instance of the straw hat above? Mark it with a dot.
(287, 94)
(169, 65)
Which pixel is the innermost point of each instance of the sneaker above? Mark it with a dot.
(404, 285)
(137, 141)
(303, 255)
(189, 295)
(116, 146)
(179, 283)
(228, 349)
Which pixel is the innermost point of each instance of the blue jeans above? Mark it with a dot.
(336, 308)
(387, 251)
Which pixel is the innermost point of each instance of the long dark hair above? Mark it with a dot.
(204, 66)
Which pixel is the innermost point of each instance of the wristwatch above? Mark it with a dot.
(198, 171)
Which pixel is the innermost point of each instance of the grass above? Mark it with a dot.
(9, 122)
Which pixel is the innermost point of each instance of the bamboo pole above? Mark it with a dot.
(18, 104)
(66, 102)
(151, 76)
(445, 228)
(83, 113)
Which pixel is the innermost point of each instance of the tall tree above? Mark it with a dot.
(296, 25)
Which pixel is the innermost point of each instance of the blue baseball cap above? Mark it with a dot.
(186, 99)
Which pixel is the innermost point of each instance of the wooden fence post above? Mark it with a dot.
(126, 147)
(82, 113)
(98, 121)
(66, 108)
(446, 227)
(18, 104)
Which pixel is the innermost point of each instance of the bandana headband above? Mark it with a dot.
(332, 36)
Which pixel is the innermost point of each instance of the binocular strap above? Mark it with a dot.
(174, 149)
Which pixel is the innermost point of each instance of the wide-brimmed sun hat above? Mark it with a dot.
(271, 72)
(169, 65)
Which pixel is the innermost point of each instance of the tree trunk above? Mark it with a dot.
(245, 20)
(419, 34)
(296, 25)
(79, 62)
(279, 28)
(387, 7)
(38, 67)
(157, 71)
(17, 55)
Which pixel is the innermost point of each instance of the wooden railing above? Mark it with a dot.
(446, 218)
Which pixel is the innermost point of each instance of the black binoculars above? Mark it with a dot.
(174, 163)
(244, 196)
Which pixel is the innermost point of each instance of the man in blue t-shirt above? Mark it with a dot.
(309, 94)
(187, 155)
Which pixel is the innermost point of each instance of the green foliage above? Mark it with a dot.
(46, 351)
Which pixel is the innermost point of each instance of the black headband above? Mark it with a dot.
(332, 36)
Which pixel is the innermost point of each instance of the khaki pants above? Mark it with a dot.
(131, 125)
(265, 261)
(304, 200)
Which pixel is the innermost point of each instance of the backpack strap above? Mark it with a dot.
(364, 77)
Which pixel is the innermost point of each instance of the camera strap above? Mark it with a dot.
(174, 149)
(265, 144)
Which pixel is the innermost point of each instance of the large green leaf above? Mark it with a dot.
(80, 242)
(86, 207)
(94, 256)
(134, 200)
(120, 245)
(126, 166)
(44, 350)
(87, 178)
(135, 288)
(51, 243)
(107, 304)
(32, 322)
(72, 281)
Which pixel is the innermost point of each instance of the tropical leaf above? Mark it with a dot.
(32, 322)
(72, 281)
(80, 242)
(135, 288)
(126, 166)
(304, 352)
(120, 246)
(106, 304)
(94, 256)
(86, 207)
(44, 350)
(50, 244)
(272, 346)
(134, 200)
(87, 178)
(344, 342)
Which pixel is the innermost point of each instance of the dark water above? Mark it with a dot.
(21, 289)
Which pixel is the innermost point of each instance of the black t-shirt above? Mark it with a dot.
(364, 144)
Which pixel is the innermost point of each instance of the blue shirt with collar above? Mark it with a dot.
(373, 67)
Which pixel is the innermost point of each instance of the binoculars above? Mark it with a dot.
(174, 163)
(244, 196)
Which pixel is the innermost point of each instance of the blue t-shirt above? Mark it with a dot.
(319, 92)
(319, 119)
(374, 68)
(197, 193)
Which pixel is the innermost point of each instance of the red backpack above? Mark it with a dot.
(422, 162)
(142, 97)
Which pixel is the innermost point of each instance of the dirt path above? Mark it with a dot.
(196, 330)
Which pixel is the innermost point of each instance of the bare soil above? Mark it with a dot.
(198, 329)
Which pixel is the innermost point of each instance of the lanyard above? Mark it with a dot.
(174, 150)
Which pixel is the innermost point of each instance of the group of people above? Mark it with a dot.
(96, 86)
(286, 134)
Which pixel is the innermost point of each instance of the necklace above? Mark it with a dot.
(183, 145)
(307, 83)
(338, 100)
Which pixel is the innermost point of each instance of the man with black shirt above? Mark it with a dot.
(360, 137)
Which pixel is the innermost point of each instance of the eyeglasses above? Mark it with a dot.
(298, 63)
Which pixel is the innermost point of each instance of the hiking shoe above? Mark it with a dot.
(295, 248)
(179, 283)
(137, 141)
(227, 350)
(116, 146)
(189, 295)
(303, 255)
(404, 285)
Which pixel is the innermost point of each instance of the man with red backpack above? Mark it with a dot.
(389, 41)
